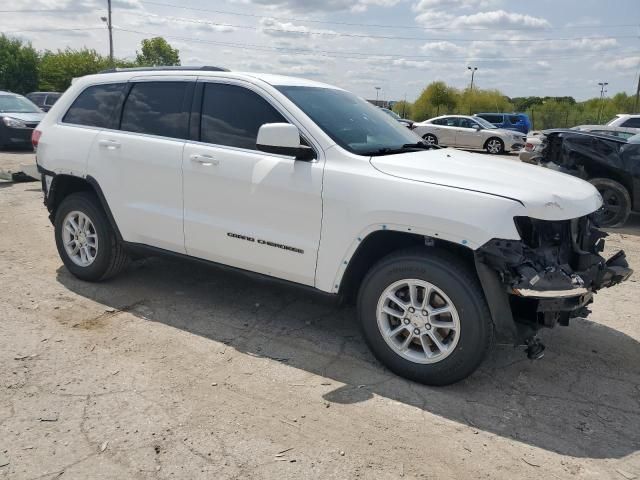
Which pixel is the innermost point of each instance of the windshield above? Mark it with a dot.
(391, 113)
(612, 120)
(350, 121)
(17, 104)
(483, 123)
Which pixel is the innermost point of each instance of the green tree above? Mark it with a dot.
(478, 100)
(157, 52)
(57, 69)
(436, 99)
(404, 109)
(18, 66)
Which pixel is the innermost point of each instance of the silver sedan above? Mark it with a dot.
(469, 132)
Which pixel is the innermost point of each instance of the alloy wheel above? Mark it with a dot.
(80, 238)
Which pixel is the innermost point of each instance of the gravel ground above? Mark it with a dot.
(181, 371)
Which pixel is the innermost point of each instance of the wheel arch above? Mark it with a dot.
(63, 185)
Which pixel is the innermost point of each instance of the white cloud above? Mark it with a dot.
(627, 63)
(426, 5)
(277, 28)
(442, 47)
(500, 18)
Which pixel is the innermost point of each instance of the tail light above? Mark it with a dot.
(35, 138)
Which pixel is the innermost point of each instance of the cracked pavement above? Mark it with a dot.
(177, 370)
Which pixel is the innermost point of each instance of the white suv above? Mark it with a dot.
(625, 120)
(309, 183)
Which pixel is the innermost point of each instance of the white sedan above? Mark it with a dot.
(469, 132)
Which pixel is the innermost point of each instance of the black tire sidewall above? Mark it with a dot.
(475, 323)
(88, 204)
(623, 215)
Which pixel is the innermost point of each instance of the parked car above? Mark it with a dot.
(468, 132)
(532, 146)
(44, 100)
(622, 132)
(509, 121)
(19, 116)
(625, 120)
(404, 121)
(310, 184)
(609, 163)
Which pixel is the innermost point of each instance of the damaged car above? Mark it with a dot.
(307, 183)
(611, 164)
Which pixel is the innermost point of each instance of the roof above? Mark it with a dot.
(271, 79)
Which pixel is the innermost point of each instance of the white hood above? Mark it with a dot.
(546, 195)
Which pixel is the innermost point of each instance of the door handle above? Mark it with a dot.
(109, 144)
(206, 160)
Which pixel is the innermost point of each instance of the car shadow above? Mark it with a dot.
(581, 400)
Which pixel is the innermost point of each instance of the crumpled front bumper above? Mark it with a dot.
(551, 274)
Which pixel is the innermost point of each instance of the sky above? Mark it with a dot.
(521, 47)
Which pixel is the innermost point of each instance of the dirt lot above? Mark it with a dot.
(181, 371)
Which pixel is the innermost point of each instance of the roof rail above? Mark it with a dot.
(206, 68)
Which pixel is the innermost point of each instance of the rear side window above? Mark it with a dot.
(156, 108)
(232, 115)
(632, 123)
(514, 119)
(493, 118)
(95, 106)
(51, 99)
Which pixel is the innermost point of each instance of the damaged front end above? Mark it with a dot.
(551, 274)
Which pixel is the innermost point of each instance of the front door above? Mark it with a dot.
(468, 133)
(246, 208)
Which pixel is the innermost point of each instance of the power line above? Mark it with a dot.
(344, 53)
(352, 24)
(379, 37)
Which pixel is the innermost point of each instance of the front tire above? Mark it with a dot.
(424, 316)
(494, 146)
(616, 200)
(86, 242)
(430, 139)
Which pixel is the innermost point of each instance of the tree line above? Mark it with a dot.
(23, 69)
(438, 98)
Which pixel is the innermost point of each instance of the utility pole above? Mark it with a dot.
(602, 85)
(635, 106)
(107, 20)
(404, 105)
(473, 71)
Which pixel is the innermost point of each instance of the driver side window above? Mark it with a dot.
(232, 115)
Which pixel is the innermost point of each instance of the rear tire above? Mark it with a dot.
(87, 244)
(464, 332)
(430, 139)
(616, 202)
(494, 146)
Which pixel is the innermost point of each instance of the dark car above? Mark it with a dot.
(406, 122)
(44, 100)
(510, 121)
(611, 164)
(18, 117)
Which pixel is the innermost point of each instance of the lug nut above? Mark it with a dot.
(411, 309)
(425, 313)
(427, 326)
(406, 321)
(416, 331)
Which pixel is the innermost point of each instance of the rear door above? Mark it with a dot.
(446, 131)
(139, 165)
(243, 207)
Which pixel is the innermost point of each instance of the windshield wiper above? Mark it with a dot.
(407, 147)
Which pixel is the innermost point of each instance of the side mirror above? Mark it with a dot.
(283, 139)
(477, 127)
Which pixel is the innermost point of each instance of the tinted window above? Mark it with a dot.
(232, 115)
(514, 119)
(95, 106)
(156, 108)
(51, 99)
(632, 123)
(466, 123)
(492, 118)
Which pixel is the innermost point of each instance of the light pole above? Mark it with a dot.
(473, 71)
(107, 20)
(377, 92)
(602, 86)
